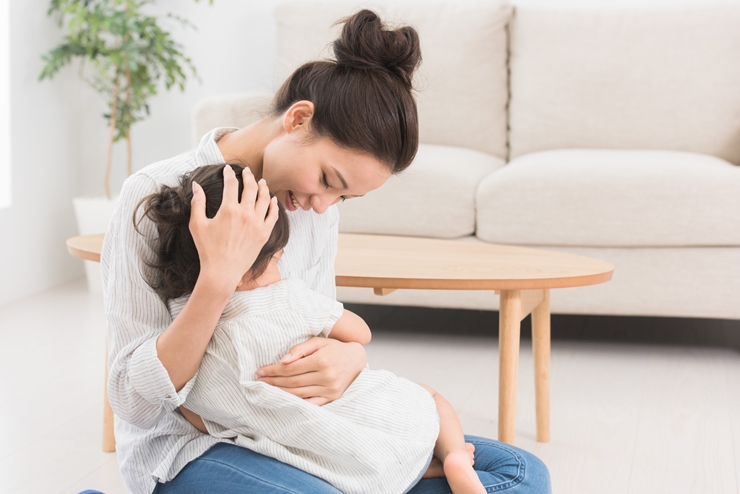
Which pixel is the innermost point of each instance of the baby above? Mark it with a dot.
(382, 435)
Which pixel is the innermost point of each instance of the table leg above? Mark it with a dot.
(541, 350)
(508, 342)
(109, 439)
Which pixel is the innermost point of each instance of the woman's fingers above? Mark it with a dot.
(303, 387)
(263, 199)
(272, 213)
(318, 400)
(229, 242)
(279, 374)
(231, 187)
(250, 190)
(197, 206)
(306, 392)
(304, 349)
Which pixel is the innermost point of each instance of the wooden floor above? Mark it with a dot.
(639, 405)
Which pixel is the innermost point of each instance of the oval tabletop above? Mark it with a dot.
(380, 261)
(86, 247)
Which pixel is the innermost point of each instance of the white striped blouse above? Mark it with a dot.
(153, 441)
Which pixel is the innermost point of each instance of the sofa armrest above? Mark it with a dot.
(229, 110)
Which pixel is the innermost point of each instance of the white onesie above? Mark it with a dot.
(375, 439)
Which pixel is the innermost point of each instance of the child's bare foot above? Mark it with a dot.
(460, 474)
(436, 470)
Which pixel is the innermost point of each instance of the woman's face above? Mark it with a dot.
(316, 173)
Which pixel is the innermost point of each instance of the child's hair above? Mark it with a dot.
(363, 100)
(176, 266)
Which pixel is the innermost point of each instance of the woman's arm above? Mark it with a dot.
(351, 327)
(227, 246)
(147, 377)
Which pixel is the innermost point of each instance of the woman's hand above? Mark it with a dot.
(318, 370)
(227, 246)
(229, 243)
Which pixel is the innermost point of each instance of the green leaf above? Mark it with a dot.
(118, 40)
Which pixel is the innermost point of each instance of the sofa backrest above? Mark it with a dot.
(462, 89)
(661, 78)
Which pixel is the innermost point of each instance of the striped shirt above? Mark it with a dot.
(153, 440)
(377, 438)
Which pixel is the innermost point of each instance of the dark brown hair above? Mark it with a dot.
(176, 266)
(363, 100)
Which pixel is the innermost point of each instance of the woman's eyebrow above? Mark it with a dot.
(341, 178)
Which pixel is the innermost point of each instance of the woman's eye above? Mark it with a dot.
(323, 179)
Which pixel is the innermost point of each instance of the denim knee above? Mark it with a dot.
(508, 469)
(537, 477)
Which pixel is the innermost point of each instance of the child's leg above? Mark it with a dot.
(450, 449)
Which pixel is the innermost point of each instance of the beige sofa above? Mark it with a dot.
(609, 133)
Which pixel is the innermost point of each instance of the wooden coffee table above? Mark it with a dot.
(522, 276)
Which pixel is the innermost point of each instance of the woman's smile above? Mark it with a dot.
(291, 203)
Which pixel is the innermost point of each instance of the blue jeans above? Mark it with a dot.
(229, 469)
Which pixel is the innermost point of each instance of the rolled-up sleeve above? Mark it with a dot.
(139, 387)
(150, 379)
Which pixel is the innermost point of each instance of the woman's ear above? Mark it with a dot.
(298, 116)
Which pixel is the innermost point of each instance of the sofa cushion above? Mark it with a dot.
(433, 197)
(660, 78)
(228, 110)
(611, 198)
(463, 71)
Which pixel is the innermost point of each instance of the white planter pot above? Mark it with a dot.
(93, 215)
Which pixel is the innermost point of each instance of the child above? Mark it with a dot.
(379, 437)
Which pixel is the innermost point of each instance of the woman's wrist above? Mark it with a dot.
(353, 359)
(361, 358)
(216, 282)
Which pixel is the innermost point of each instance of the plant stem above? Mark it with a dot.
(128, 151)
(112, 135)
(128, 132)
(128, 100)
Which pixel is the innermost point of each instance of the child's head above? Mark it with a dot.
(177, 266)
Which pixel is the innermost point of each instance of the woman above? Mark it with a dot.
(337, 130)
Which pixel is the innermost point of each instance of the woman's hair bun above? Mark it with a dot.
(366, 44)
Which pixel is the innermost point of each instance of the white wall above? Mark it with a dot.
(59, 135)
(4, 104)
(44, 161)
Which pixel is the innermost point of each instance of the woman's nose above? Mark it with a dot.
(318, 204)
(321, 203)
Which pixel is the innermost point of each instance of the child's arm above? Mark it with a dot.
(351, 327)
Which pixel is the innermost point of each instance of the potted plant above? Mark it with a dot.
(126, 56)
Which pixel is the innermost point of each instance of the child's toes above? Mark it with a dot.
(471, 449)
